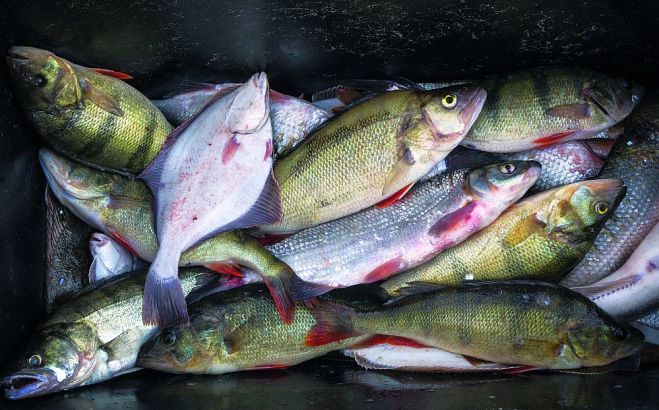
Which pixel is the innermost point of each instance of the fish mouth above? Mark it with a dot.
(472, 110)
(57, 171)
(18, 53)
(28, 384)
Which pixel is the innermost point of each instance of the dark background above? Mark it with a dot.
(303, 45)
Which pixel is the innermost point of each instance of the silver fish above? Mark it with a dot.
(109, 258)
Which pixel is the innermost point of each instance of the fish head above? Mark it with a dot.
(250, 107)
(602, 339)
(612, 98)
(505, 182)
(175, 349)
(577, 211)
(42, 80)
(57, 358)
(450, 112)
(109, 258)
(87, 191)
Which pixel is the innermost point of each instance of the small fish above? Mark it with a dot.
(541, 237)
(85, 113)
(109, 258)
(521, 323)
(292, 118)
(635, 160)
(376, 243)
(371, 152)
(229, 140)
(120, 207)
(67, 257)
(633, 290)
(232, 331)
(91, 338)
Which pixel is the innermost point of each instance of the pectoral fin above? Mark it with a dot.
(578, 111)
(398, 176)
(100, 99)
(523, 230)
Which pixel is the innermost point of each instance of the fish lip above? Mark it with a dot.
(39, 383)
(14, 53)
(56, 171)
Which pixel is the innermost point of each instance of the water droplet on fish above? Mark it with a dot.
(630, 142)
(543, 299)
(469, 276)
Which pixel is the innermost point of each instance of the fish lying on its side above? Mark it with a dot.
(67, 257)
(541, 237)
(233, 331)
(109, 258)
(292, 118)
(633, 290)
(89, 339)
(376, 243)
(89, 116)
(523, 323)
(121, 208)
(635, 160)
(371, 152)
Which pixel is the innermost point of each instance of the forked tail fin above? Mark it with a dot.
(334, 322)
(164, 301)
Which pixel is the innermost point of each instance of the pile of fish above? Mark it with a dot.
(435, 227)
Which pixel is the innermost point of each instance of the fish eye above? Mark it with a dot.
(39, 80)
(601, 208)
(34, 360)
(449, 101)
(620, 334)
(168, 338)
(507, 168)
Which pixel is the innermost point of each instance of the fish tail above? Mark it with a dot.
(333, 322)
(164, 301)
(303, 290)
(279, 286)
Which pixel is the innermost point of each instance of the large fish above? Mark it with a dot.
(214, 175)
(67, 255)
(542, 237)
(233, 331)
(121, 208)
(523, 323)
(292, 118)
(635, 160)
(633, 290)
(376, 243)
(93, 337)
(371, 152)
(84, 114)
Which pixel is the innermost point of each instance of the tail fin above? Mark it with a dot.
(302, 290)
(164, 301)
(279, 285)
(333, 322)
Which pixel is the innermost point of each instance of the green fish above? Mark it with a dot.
(84, 113)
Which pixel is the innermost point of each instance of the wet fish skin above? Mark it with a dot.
(121, 208)
(109, 258)
(94, 118)
(635, 160)
(236, 330)
(379, 242)
(89, 339)
(292, 118)
(633, 290)
(67, 257)
(524, 323)
(541, 238)
(342, 168)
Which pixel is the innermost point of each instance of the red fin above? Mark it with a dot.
(451, 221)
(270, 366)
(347, 94)
(333, 323)
(384, 271)
(280, 292)
(123, 242)
(230, 150)
(302, 290)
(520, 370)
(395, 197)
(270, 239)
(112, 73)
(224, 268)
(371, 341)
(552, 139)
(402, 341)
(268, 150)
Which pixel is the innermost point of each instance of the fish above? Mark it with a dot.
(369, 153)
(229, 140)
(376, 243)
(562, 164)
(67, 257)
(109, 258)
(92, 117)
(236, 330)
(121, 208)
(541, 237)
(522, 323)
(292, 118)
(633, 290)
(92, 338)
(635, 160)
